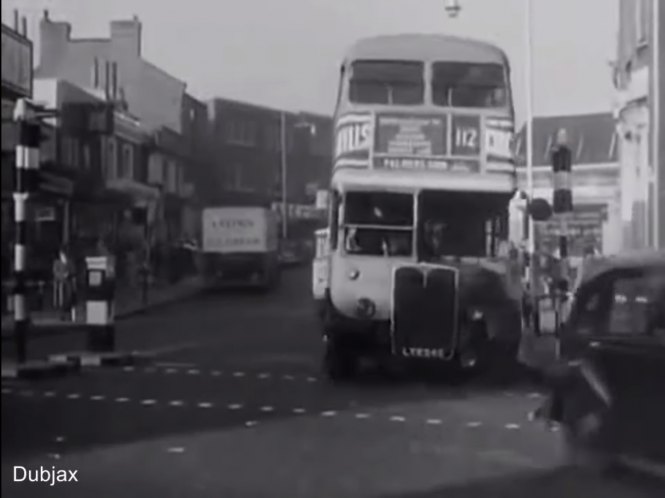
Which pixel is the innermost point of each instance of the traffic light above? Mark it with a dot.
(562, 159)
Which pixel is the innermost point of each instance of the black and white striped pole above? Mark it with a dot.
(25, 180)
(562, 206)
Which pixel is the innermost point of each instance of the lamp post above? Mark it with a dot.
(284, 165)
(655, 117)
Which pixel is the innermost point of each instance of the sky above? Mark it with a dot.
(286, 53)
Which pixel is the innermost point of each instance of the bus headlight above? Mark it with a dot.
(366, 308)
(354, 274)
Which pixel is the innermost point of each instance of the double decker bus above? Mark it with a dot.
(413, 264)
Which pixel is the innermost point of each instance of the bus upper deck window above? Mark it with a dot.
(387, 82)
(461, 84)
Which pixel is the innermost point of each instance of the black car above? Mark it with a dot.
(608, 391)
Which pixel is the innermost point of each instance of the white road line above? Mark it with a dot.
(512, 427)
(128, 369)
(330, 413)
(148, 402)
(205, 404)
(474, 424)
(73, 396)
(215, 373)
(193, 371)
(434, 421)
(287, 377)
(97, 397)
(362, 415)
(234, 406)
(60, 439)
(251, 423)
(176, 449)
(311, 379)
(299, 411)
(175, 364)
(397, 418)
(267, 409)
(49, 394)
(238, 374)
(264, 375)
(122, 399)
(176, 402)
(171, 370)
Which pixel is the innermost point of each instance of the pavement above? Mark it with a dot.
(128, 303)
(235, 406)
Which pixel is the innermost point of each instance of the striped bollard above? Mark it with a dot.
(99, 306)
(26, 169)
(562, 206)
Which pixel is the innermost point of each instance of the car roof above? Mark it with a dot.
(595, 266)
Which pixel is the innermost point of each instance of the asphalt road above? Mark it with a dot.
(234, 406)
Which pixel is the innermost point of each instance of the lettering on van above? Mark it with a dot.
(226, 223)
(435, 353)
(353, 137)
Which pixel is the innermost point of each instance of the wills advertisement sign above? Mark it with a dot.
(353, 139)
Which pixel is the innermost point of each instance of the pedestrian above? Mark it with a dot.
(61, 280)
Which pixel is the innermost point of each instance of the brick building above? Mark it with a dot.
(246, 161)
(638, 111)
(149, 102)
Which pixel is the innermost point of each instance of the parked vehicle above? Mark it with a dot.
(608, 390)
(240, 246)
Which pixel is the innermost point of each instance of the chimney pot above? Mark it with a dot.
(46, 15)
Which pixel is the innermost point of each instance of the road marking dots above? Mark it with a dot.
(434, 421)
(49, 394)
(299, 411)
(238, 375)
(205, 404)
(176, 449)
(474, 425)
(234, 406)
(148, 402)
(251, 423)
(59, 439)
(264, 375)
(362, 416)
(267, 409)
(97, 397)
(176, 402)
(193, 371)
(171, 370)
(73, 396)
(512, 427)
(397, 418)
(128, 369)
(122, 399)
(330, 413)
(215, 373)
(311, 379)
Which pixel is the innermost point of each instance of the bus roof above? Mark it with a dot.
(349, 179)
(427, 48)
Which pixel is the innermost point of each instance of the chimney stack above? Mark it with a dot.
(16, 20)
(24, 26)
(95, 73)
(114, 87)
(46, 15)
(107, 80)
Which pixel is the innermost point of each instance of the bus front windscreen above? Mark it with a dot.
(387, 82)
(461, 84)
(378, 223)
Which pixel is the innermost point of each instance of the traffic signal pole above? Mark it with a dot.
(26, 167)
(562, 206)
